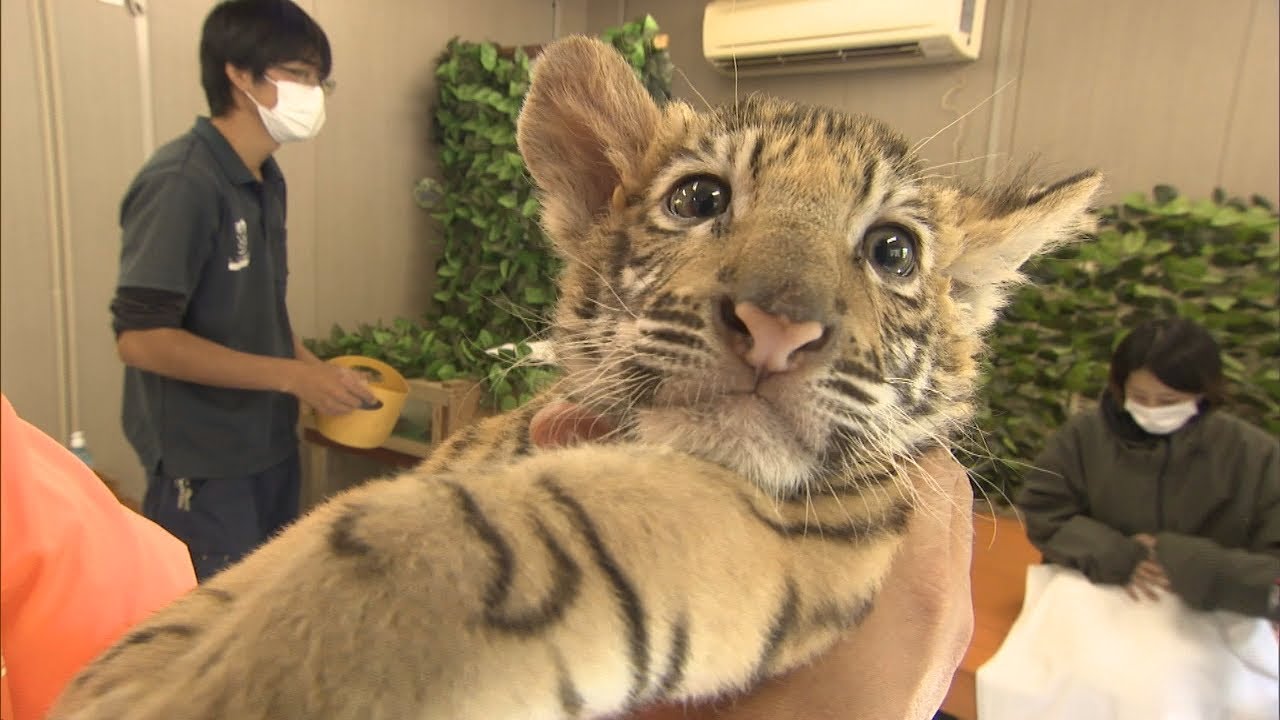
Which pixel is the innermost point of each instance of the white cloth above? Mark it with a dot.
(1080, 651)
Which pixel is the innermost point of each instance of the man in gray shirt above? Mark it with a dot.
(214, 371)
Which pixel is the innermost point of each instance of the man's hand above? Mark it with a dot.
(900, 661)
(330, 389)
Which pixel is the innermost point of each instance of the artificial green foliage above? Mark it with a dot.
(495, 277)
(1214, 261)
(636, 41)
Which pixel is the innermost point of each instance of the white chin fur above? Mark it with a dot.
(740, 435)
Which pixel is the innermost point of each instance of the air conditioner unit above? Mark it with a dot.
(773, 37)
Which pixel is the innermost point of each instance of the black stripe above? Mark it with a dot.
(790, 149)
(642, 378)
(856, 369)
(517, 444)
(673, 355)
(831, 615)
(666, 299)
(1048, 190)
(460, 440)
(868, 179)
(215, 593)
(566, 576)
(784, 621)
(911, 301)
(918, 333)
(683, 153)
(628, 599)
(677, 658)
(707, 144)
(839, 488)
(570, 699)
(894, 521)
(756, 151)
(619, 251)
(849, 390)
(922, 407)
(675, 337)
(586, 309)
(146, 635)
(652, 228)
(811, 118)
(524, 444)
(342, 537)
(677, 317)
(849, 443)
(642, 261)
(896, 149)
(213, 660)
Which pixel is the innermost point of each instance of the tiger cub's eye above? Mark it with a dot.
(892, 248)
(698, 197)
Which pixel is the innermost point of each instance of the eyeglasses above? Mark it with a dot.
(306, 75)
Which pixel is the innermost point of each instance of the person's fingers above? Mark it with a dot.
(1153, 574)
(1147, 590)
(562, 423)
(356, 384)
(1132, 592)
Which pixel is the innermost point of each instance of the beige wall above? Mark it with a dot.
(360, 249)
(1150, 91)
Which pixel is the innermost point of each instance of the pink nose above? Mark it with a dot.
(774, 338)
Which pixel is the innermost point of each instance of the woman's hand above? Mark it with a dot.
(1149, 575)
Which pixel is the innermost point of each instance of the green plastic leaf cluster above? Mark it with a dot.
(495, 277)
(1215, 261)
(635, 40)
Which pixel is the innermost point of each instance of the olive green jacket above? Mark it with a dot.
(1209, 493)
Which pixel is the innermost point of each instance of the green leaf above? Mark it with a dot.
(1137, 201)
(488, 56)
(1222, 302)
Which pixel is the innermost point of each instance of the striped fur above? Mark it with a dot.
(735, 523)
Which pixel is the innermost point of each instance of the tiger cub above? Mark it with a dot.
(776, 314)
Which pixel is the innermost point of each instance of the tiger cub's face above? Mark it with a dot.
(768, 286)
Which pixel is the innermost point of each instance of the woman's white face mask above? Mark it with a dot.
(1164, 419)
(298, 114)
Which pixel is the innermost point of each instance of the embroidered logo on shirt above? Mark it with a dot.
(240, 260)
(184, 493)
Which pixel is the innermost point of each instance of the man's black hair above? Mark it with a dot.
(255, 35)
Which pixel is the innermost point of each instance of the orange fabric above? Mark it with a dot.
(77, 568)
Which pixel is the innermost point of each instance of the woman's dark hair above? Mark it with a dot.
(1180, 353)
(255, 35)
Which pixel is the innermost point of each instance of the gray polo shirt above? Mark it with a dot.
(201, 232)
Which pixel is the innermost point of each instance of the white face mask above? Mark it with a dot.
(1164, 419)
(298, 114)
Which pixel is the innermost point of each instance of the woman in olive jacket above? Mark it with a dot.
(1159, 489)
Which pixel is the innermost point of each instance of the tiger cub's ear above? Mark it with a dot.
(585, 126)
(992, 234)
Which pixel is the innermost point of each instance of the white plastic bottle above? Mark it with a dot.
(80, 447)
